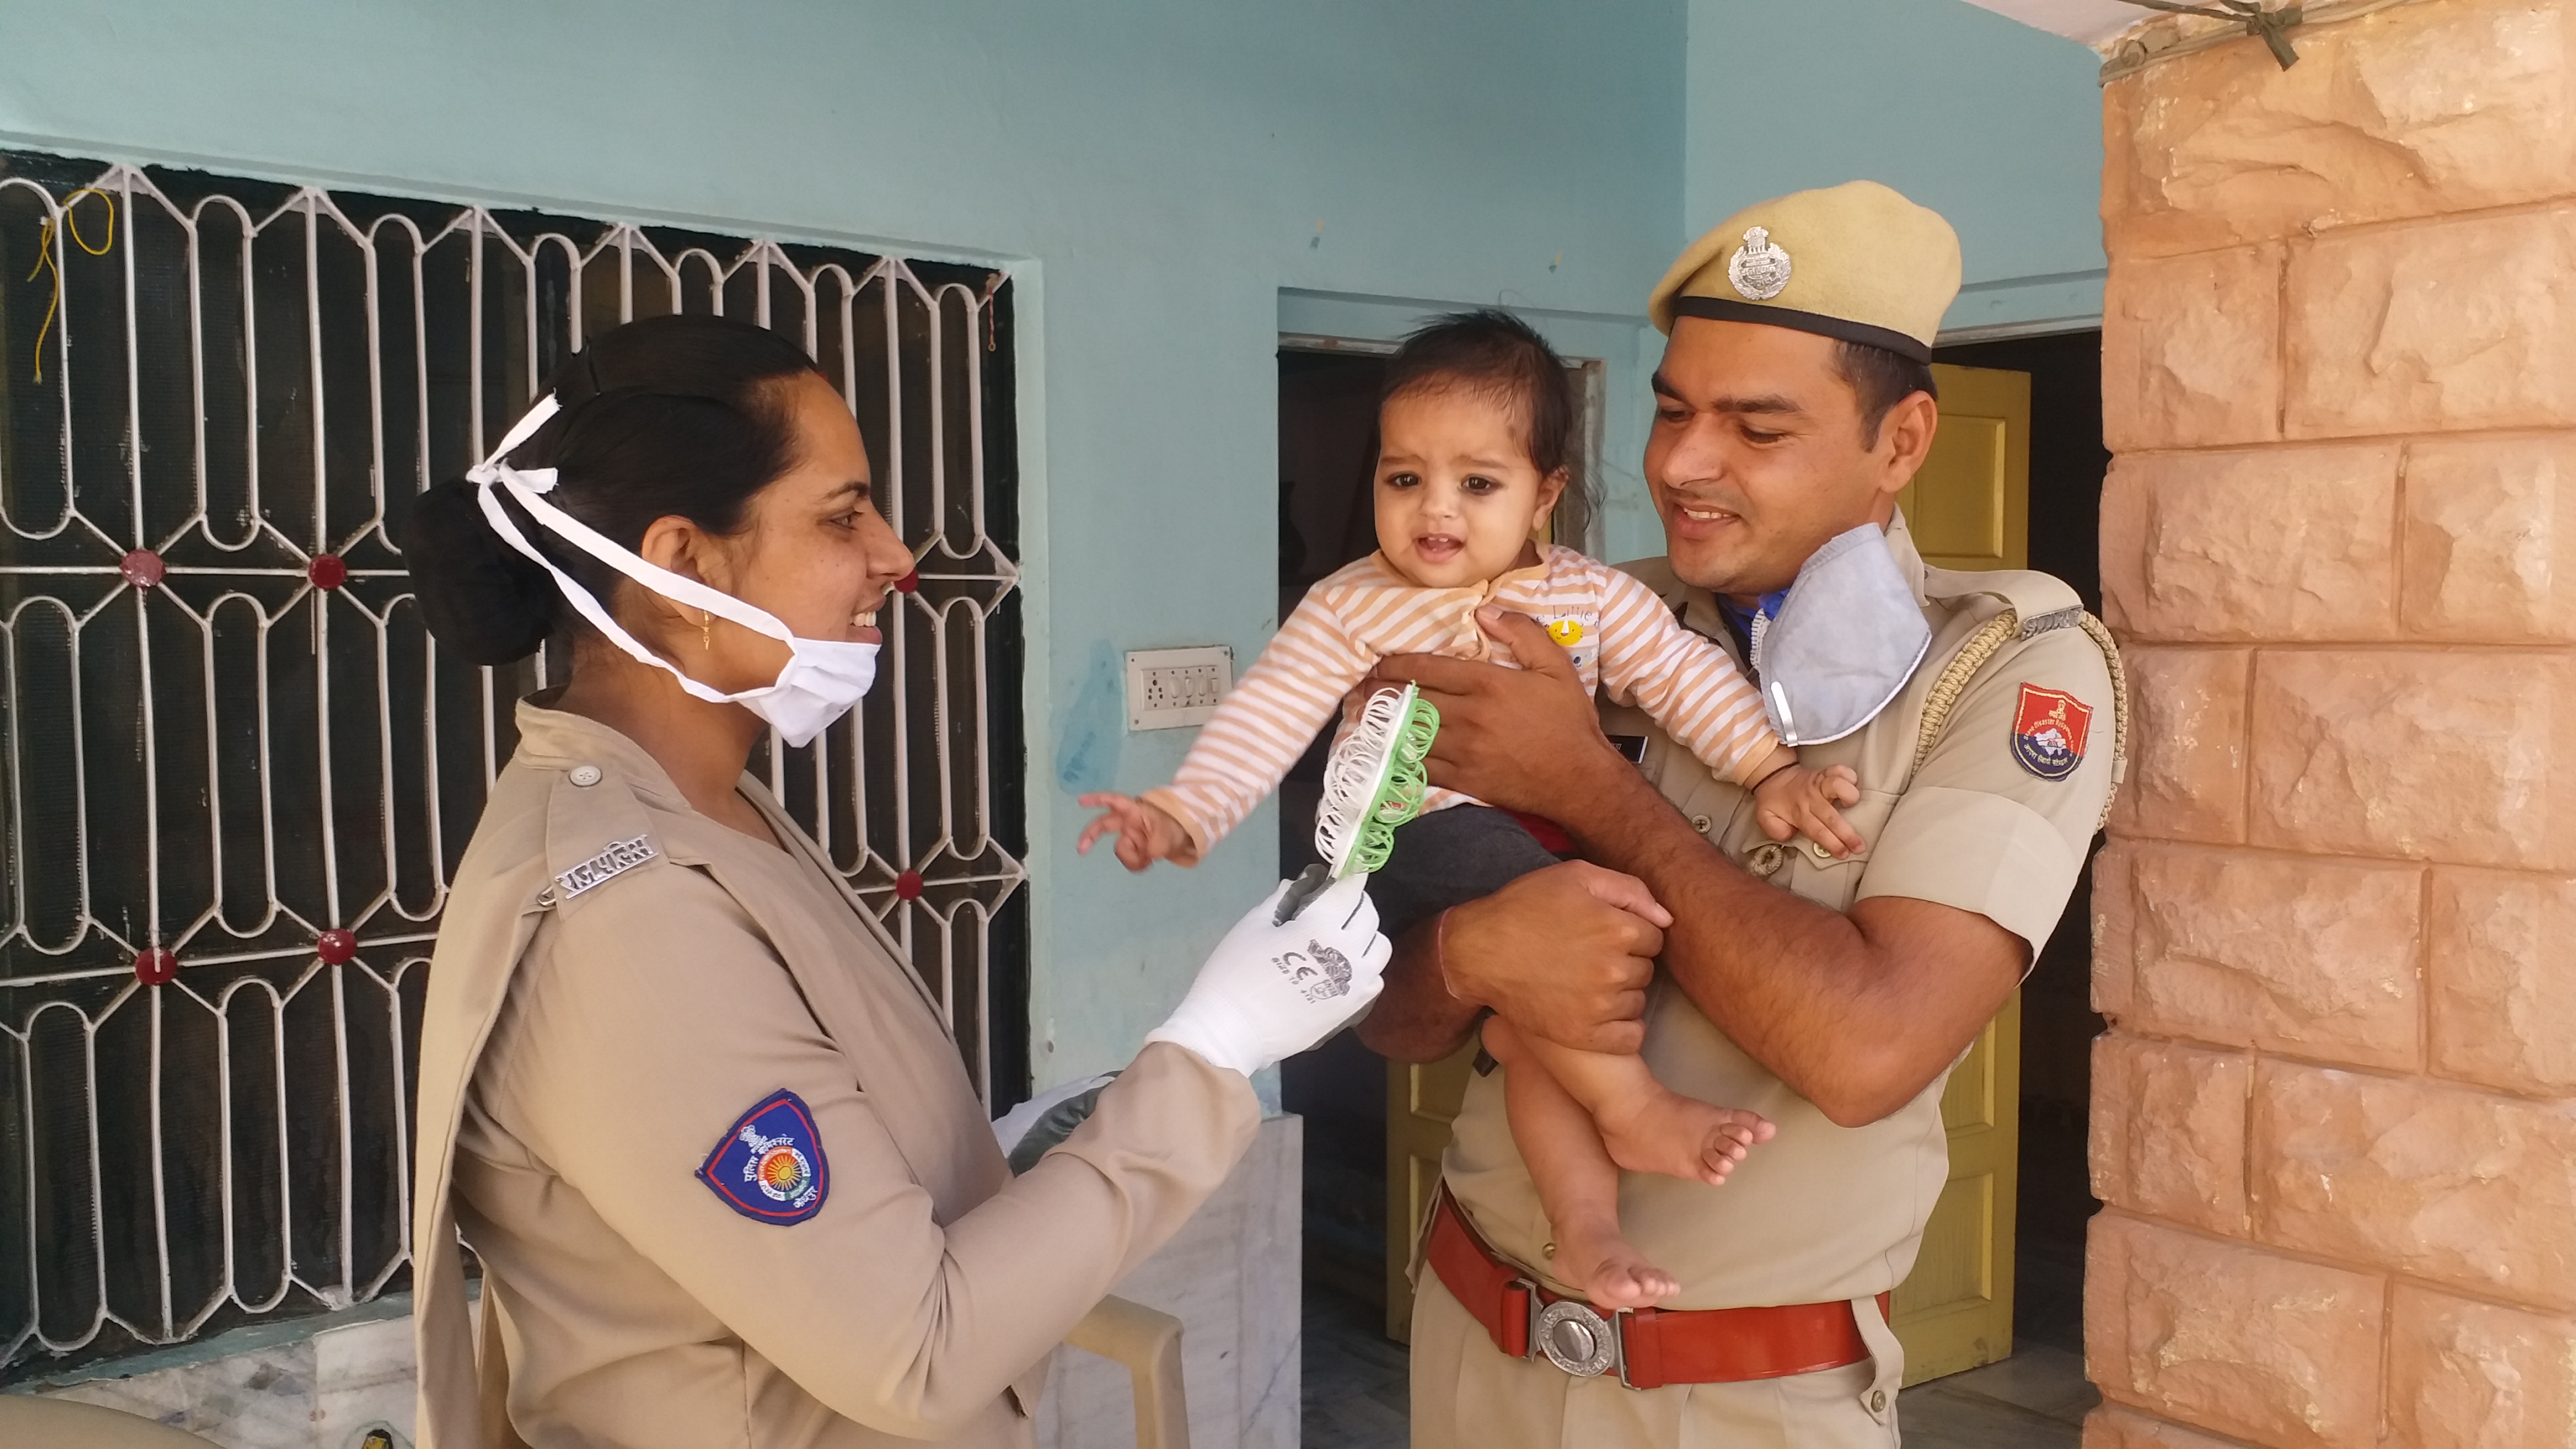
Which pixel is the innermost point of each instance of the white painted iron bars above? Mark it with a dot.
(234, 771)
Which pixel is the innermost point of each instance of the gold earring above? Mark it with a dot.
(707, 630)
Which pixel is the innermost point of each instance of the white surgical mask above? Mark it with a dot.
(1838, 646)
(823, 679)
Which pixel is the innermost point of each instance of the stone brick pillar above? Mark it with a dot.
(2335, 930)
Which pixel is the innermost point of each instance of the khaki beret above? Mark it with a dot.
(1857, 262)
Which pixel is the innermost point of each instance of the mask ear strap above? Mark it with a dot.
(587, 606)
(527, 486)
(495, 473)
(491, 468)
(679, 588)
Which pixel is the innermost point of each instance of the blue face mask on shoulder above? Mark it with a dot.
(1837, 646)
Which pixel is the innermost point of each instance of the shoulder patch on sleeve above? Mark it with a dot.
(2049, 730)
(770, 1166)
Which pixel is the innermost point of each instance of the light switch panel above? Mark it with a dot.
(1169, 689)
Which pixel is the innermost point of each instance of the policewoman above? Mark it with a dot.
(704, 1131)
(1982, 715)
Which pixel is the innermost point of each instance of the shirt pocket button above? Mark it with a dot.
(1700, 823)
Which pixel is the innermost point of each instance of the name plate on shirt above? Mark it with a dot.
(619, 858)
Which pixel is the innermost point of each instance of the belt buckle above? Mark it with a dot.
(1576, 1338)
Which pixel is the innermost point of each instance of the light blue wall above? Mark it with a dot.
(1991, 123)
(1157, 171)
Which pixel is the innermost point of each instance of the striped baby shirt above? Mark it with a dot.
(1621, 637)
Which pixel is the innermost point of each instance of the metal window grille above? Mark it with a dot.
(234, 771)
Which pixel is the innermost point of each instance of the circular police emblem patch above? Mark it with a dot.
(782, 1172)
(1759, 269)
(770, 1166)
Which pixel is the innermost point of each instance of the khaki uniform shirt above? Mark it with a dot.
(1823, 1212)
(584, 1053)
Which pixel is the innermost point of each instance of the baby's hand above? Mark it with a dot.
(1146, 833)
(1796, 800)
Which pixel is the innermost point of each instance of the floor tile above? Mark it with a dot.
(2039, 1377)
(1935, 1416)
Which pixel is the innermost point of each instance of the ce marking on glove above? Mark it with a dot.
(1319, 972)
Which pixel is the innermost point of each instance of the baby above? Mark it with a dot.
(1475, 425)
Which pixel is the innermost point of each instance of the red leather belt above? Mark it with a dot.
(1649, 1347)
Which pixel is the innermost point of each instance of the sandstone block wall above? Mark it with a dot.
(2335, 930)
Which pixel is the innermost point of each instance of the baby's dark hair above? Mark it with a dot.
(1496, 354)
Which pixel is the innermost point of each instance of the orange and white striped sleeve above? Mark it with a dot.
(1686, 683)
(1261, 728)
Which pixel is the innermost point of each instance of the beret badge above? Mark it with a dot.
(1759, 269)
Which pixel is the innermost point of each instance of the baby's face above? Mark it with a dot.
(1457, 497)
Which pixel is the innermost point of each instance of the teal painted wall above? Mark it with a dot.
(1158, 173)
(1991, 123)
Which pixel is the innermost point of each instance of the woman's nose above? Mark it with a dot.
(888, 559)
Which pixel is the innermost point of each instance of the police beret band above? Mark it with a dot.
(1856, 262)
(1725, 309)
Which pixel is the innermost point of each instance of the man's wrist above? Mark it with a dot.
(1421, 1018)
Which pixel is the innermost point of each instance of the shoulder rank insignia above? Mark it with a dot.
(770, 1166)
(2049, 730)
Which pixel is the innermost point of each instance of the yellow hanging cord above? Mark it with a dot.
(45, 258)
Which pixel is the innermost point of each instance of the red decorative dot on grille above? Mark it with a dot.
(909, 583)
(155, 967)
(327, 571)
(142, 568)
(336, 948)
(907, 886)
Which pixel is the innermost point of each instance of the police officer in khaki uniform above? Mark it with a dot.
(1981, 713)
(705, 1132)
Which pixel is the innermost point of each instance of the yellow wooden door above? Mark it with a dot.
(1970, 509)
(1421, 1102)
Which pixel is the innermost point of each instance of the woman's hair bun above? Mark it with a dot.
(480, 598)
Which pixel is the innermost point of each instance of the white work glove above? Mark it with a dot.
(1271, 991)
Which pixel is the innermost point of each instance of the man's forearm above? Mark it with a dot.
(1416, 1019)
(1796, 985)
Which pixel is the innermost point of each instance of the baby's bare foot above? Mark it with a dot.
(1666, 1132)
(1611, 1272)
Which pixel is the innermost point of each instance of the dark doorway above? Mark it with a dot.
(1327, 458)
(2067, 464)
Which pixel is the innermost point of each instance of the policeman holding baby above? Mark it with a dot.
(1982, 714)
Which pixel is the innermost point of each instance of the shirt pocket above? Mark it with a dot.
(1800, 865)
